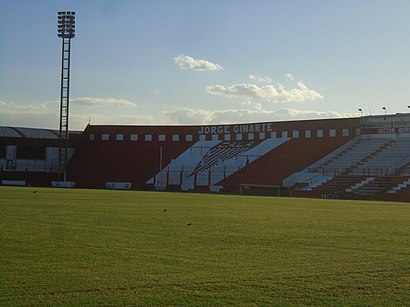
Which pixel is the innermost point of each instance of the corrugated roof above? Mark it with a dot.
(9, 132)
(34, 133)
(31, 133)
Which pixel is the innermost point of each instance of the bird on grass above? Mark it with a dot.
(165, 210)
(189, 224)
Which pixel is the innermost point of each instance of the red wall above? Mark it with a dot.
(97, 162)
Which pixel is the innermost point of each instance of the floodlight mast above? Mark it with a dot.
(66, 31)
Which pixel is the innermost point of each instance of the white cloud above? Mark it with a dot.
(98, 102)
(46, 115)
(267, 93)
(189, 116)
(189, 63)
(290, 76)
(42, 115)
(204, 117)
(17, 109)
(263, 79)
(81, 120)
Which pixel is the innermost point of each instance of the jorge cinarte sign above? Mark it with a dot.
(245, 128)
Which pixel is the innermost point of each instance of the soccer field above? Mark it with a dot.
(88, 247)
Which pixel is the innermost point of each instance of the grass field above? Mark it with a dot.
(98, 247)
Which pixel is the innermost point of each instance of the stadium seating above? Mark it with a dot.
(387, 160)
(285, 160)
(208, 162)
(366, 167)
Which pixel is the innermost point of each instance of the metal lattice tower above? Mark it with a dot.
(66, 31)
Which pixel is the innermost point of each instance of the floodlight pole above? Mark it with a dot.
(66, 31)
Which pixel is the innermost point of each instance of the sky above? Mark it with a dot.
(204, 62)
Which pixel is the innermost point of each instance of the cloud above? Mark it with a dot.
(41, 115)
(46, 115)
(204, 117)
(98, 102)
(290, 76)
(81, 120)
(263, 79)
(266, 93)
(189, 116)
(19, 109)
(189, 63)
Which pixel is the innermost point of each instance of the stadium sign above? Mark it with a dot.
(393, 130)
(244, 128)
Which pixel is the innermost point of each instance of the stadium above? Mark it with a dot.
(365, 157)
(256, 189)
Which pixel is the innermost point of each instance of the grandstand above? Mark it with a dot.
(29, 156)
(358, 158)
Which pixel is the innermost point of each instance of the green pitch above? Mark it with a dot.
(89, 247)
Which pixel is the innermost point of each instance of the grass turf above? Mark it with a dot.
(88, 247)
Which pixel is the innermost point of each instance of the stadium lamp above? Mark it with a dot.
(385, 110)
(66, 31)
(66, 24)
(361, 112)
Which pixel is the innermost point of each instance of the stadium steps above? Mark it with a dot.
(338, 184)
(340, 166)
(359, 184)
(377, 188)
(400, 186)
(402, 194)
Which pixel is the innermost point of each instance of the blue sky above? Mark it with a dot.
(204, 62)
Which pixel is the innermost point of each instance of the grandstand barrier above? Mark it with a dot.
(260, 189)
(216, 188)
(400, 186)
(63, 184)
(333, 195)
(14, 182)
(359, 184)
(118, 185)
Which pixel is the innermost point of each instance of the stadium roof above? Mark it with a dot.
(30, 133)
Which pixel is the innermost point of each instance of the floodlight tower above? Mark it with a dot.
(66, 31)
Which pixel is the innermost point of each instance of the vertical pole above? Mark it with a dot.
(181, 174)
(60, 139)
(160, 158)
(67, 110)
(64, 109)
